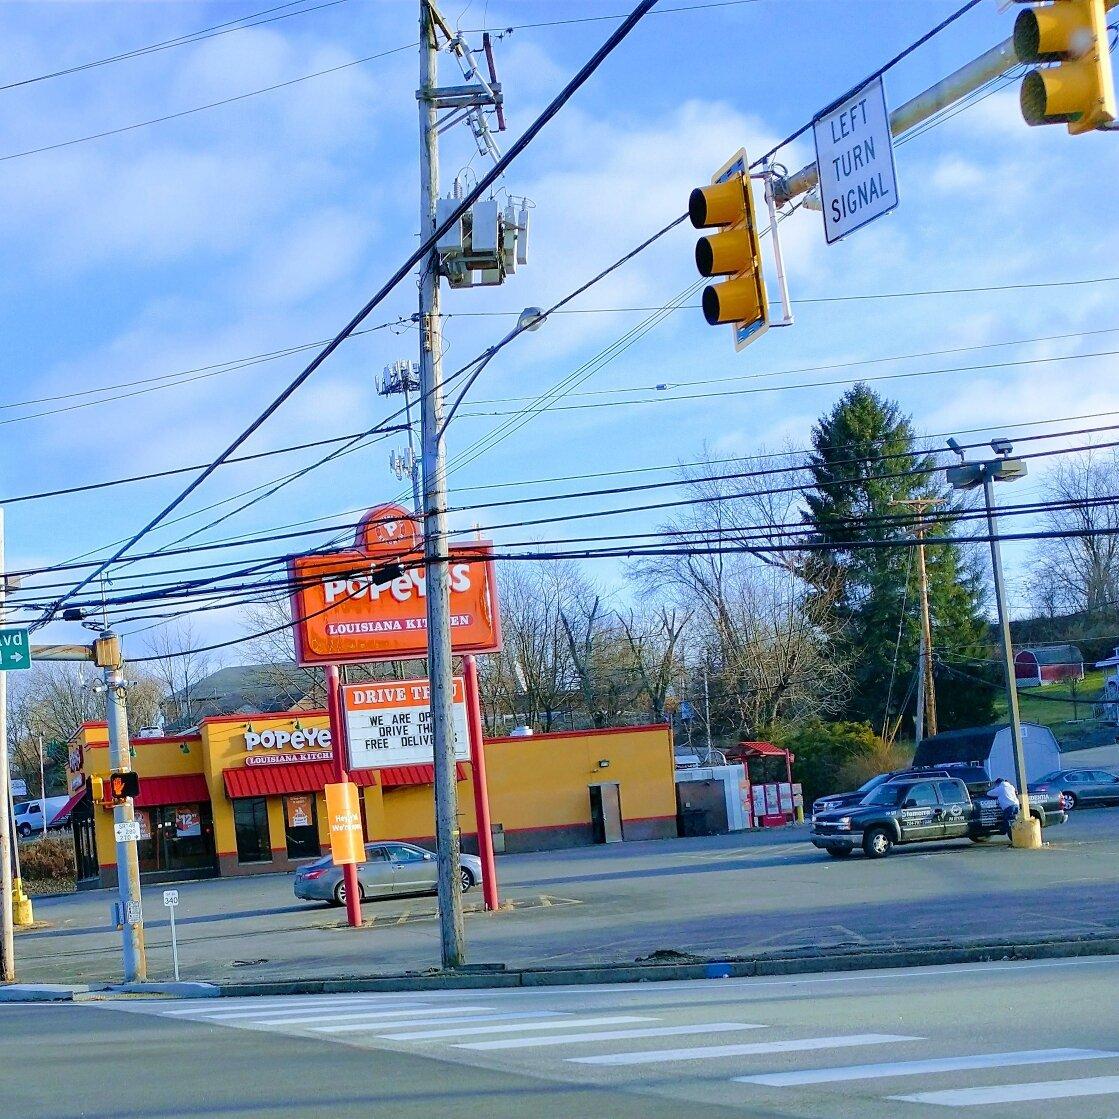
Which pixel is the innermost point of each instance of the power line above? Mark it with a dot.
(509, 28)
(202, 108)
(419, 255)
(211, 32)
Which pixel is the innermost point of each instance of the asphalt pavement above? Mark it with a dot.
(1034, 1040)
(717, 897)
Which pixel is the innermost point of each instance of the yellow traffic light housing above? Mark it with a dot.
(1079, 91)
(734, 252)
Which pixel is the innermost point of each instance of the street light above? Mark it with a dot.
(1025, 831)
(531, 318)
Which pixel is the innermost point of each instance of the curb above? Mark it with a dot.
(172, 990)
(42, 992)
(738, 968)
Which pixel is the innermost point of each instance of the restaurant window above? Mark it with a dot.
(250, 820)
(175, 837)
(301, 826)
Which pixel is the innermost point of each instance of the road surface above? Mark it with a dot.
(1033, 1040)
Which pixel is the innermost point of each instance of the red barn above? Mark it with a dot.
(1048, 665)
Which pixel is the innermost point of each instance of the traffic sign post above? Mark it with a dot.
(855, 160)
(15, 649)
(171, 900)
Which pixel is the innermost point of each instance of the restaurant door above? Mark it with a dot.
(176, 841)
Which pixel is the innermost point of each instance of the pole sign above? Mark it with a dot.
(855, 161)
(171, 898)
(390, 723)
(347, 608)
(15, 649)
(343, 810)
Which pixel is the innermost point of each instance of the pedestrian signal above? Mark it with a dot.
(123, 786)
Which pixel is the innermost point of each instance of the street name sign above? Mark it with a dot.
(389, 723)
(855, 161)
(15, 649)
(127, 831)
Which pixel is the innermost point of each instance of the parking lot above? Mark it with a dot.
(712, 897)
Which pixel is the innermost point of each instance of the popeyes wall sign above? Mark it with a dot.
(341, 613)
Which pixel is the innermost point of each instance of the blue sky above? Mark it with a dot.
(267, 222)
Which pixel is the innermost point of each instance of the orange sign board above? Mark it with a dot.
(344, 610)
(344, 814)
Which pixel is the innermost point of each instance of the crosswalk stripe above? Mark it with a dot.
(708, 1052)
(916, 1068)
(373, 1014)
(425, 1035)
(1018, 1093)
(267, 1008)
(609, 1035)
(416, 1023)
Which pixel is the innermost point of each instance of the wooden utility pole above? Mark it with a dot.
(926, 687)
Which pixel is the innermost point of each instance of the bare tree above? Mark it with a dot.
(1078, 571)
(180, 664)
(653, 641)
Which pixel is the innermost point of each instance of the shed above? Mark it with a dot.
(992, 747)
(1048, 665)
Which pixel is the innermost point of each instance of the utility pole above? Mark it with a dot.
(433, 452)
(124, 816)
(926, 686)
(7, 926)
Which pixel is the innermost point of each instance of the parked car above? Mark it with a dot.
(1079, 786)
(973, 775)
(914, 810)
(29, 815)
(390, 870)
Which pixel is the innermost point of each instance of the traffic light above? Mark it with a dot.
(1079, 90)
(123, 785)
(734, 252)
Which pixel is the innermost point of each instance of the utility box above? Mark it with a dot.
(709, 800)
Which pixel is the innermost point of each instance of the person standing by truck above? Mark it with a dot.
(1007, 796)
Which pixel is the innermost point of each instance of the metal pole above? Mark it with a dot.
(1008, 665)
(128, 864)
(43, 784)
(174, 944)
(967, 79)
(7, 926)
(414, 468)
(434, 516)
(707, 712)
(928, 689)
(341, 765)
(481, 788)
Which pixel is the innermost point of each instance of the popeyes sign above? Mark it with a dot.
(342, 609)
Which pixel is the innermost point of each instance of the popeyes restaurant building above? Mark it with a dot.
(245, 796)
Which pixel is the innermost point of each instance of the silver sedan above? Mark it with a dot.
(389, 870)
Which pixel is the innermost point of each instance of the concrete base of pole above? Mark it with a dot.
(1025, 832)
(22, 914)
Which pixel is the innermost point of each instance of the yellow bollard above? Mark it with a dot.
(21, 905)
(1025, 832)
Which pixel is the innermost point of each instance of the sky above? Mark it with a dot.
(173, 249)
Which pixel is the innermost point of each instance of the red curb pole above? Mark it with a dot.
(340, 762)
(481, 790)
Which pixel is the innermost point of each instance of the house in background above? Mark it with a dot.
(246, 689)
(1049, 664)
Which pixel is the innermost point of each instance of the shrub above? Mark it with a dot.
(50, 858)
(881, 757)
(822, 750)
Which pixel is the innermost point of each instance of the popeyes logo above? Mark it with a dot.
(348, 606)
(278, 747)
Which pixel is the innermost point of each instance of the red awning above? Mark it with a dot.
(395, 776)
(188, 788)
(68, 807)
(759, 750)
(276, 780)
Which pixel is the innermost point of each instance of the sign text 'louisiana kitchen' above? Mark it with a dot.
(344, 610)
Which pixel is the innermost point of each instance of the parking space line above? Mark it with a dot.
(916, 1068)
(1018, 1093)
(565, 1023)
(610, 1035)
(708, 1052)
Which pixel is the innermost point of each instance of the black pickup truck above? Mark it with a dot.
(914, 810)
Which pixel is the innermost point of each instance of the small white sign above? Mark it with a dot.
(135, 913)
(855, 160)
(389, 723)
(170, 898)
(127, 831)
(19, 788)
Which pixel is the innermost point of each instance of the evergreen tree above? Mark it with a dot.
(864, 464)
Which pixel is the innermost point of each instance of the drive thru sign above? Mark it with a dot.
(855, 161)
